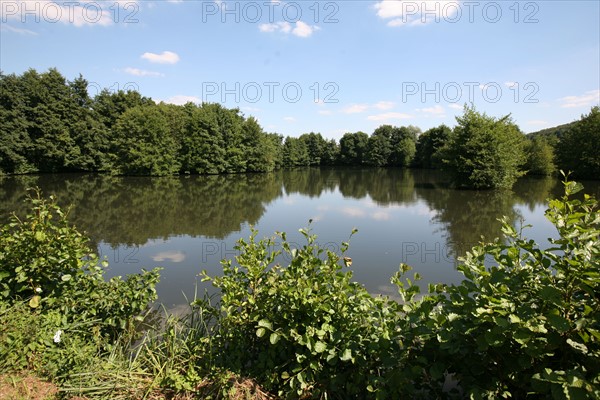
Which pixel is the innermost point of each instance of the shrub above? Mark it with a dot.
(525, 320)
(58, 308)
(305, 329)
(484, 152)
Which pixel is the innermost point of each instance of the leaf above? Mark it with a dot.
(35, 301)
(578, 346)
(65, 277)
(274, 338)
(551, 294)
(260, 332)
(558, 322)
(514, 319)
(265, 323)
(40, 236)
(347, 355)
(437, 371)
(320, 347)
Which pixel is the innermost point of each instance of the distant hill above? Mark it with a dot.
(552, 135)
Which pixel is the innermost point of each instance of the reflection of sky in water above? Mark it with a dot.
(387, 235)
(189, 224)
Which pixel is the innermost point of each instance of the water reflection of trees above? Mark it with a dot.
(130, 210)
(386, 186)
(534, 191)
(468, 217)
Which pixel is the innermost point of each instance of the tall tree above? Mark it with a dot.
(353, 148)
(540, 156)
(15, 143)
(331, 153)
(484, 152)
(379, 146)
(260, 150)
(428, 145)
(202, 147)
(144, 143)
(315, 145)
(403, 145)
(579, 148)
(295, 153)
(90, 136)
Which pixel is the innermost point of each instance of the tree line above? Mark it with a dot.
(50, 124)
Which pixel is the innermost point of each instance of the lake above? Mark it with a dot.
(187, 224)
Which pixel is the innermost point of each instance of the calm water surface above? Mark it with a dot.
(189, 224)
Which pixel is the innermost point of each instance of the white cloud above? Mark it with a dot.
(355, 108)
(435, 110)
(384, 105)
(300, 29)
(166, 57)
(388, 116)
(455, 106)
(182, 99)
(20, 31)
(510, 83)
(410, 13)
(324, 112)
(304, 30)
(141, 72)
(282, 26)
(289, 119)
(587, 99)
(175, 256)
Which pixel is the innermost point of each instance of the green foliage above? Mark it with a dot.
(353, 148)
(484, 152)
(379, 147)
(295, 153)
(579, 147)
(525, 320)
(428, 145)
(540, 157)
(304, 329)
(403, 146)
(48, 124)
(144, 143)
(51, 282)
(392, 146)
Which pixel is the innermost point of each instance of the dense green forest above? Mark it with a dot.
(51, 124)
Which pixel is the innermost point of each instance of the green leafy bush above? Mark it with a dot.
(304, 329)
(526, 320)
(484, 152)
(56, 308)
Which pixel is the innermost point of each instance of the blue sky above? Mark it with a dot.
(324, 66)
